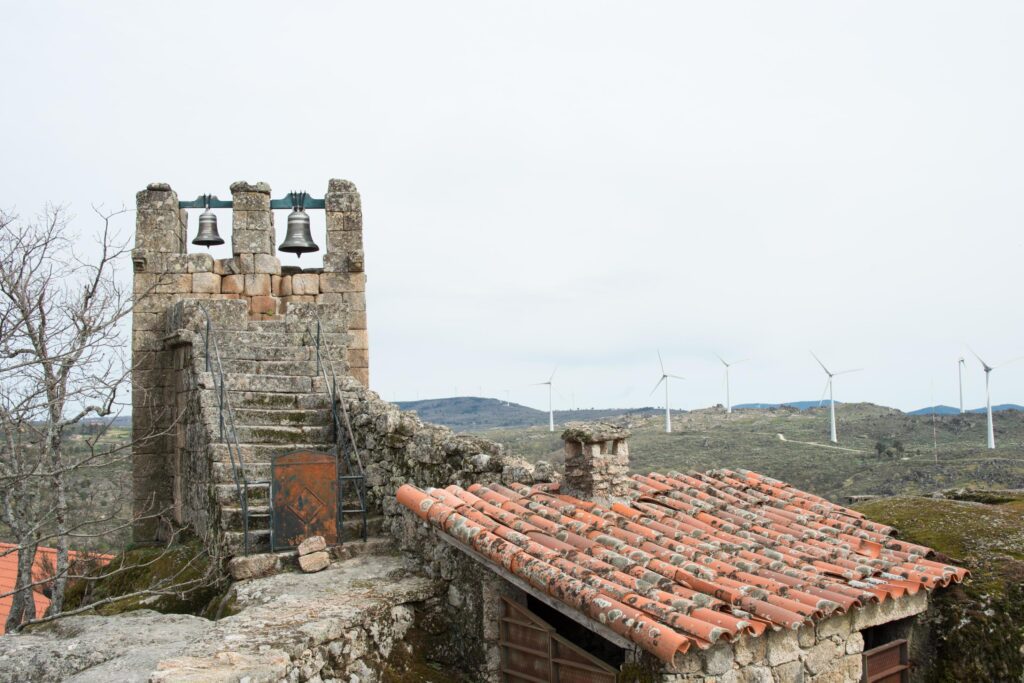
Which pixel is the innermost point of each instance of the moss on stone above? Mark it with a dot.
(978, 627)
(156, 568)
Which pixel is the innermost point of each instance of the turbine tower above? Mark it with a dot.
(988, 395)
(831, 400)
(960, 376)
(665, 378)
(728, 398)
(551, 405)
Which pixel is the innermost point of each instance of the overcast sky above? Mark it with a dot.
(581, 184)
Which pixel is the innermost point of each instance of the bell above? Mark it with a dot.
(298, 239)
(208, 236)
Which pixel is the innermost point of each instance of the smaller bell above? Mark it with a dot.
(298, 240)
(208, 235)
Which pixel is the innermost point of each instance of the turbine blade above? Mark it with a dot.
(824, 391)
(552, 374)
(847, 372)
(742, 360)
(657, 385)
(675, 376)
(983, 363)
(721, 359)
(662, 364)
(821, 364)
(1007, 362)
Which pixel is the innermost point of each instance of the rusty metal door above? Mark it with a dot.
(887, 663)
(303, 498)
(533, 652)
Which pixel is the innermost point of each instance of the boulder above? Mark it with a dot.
(314, 562)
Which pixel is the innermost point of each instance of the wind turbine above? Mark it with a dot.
(960, 375)
(728, 399)
(551, 405)
(988, 394)
(665, 378)
(831, 401)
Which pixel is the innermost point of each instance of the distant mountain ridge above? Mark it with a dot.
(950, 410)
(472, 413)
(799, 405)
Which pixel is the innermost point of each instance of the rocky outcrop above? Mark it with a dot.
(356, 620)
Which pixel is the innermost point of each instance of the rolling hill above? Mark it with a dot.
(471, 413)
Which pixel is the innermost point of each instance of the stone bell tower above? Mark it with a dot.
(165, 273)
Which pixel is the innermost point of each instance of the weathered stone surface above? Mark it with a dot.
(593, 432)
(313, 544)
(206, 283)
(199, 263)
(93, 649)
(305, 283)
(749, 649)
(718, 659)
(823, 656)
(314, 562)
(257, 284)
(268, 263)
(782, 646)
(253, 566)
(790, 672)
(360, 616)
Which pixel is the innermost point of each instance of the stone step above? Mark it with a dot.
(290, 437)
(241, 352)
(259, 520)
(254, 471)
(263, 453)
(267, 383)
(259, 542)
(280, 337)
(227, 494)
(297, 368)
(352, 542)
(318, 417)
(259, 517)
(276, 400)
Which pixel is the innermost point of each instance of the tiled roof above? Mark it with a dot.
(46, 560)
(691, 558)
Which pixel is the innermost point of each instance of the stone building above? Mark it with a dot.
(254, 425)
(711, 577)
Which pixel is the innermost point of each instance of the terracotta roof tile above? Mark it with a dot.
(690, 559)
(46, 559)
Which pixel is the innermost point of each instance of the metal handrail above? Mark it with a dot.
(332, 382)
(231, 437)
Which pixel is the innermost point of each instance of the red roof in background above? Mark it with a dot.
(46, 560)
(691, 559)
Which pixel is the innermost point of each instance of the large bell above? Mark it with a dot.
(208, 235)
(298, 239)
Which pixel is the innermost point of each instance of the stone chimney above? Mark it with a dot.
(596, 462)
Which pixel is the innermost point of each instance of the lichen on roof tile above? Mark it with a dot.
(688, 559)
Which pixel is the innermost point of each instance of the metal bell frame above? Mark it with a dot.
(292, 200)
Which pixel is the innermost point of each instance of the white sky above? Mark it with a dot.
(582, 183)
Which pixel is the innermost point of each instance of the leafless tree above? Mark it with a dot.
(63, 320)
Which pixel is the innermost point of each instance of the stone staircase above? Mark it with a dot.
(281, 403)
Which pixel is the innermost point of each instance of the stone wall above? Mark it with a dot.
(165, 274)
(830, 651)
(399, 448)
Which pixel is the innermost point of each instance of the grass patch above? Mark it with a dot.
(979, 625)
(153, 568)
